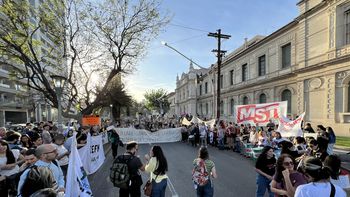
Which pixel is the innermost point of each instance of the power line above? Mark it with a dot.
(189, 38)
(185, 27)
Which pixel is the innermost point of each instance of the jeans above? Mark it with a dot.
(158, 189)
(206, 190)
(203, 141)
(330, 149)
(263, 183)
(221, 144)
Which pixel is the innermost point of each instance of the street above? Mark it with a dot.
(236, 173)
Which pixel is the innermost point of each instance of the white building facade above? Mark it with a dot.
(306, 62)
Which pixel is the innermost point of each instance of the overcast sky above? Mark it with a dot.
(187, 32)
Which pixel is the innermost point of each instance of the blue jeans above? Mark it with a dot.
(263, 183)
(158, 189)
(206, 190)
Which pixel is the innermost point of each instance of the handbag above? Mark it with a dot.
(147, 189)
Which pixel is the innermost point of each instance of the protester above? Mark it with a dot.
(2, 132)
(37, 140)
(300, 145)
(319, 184)
(8, 167)
(262, 139)
(332, 140)
(62, 153)
(221, 135)
(265, 168)
(286, 178)
(203, 131)
(29, 159)
(206, 190)
(46, 136)
(157, 166)
(26, 141)
(46, 154)
(230, 136)
(316, 151)
(288, 148)
(37, 178)
(135, 164)
(277, 139)
(308, 128)
(115, 142)
(333, 163)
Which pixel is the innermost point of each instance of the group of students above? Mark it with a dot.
(34, 161)
(301, 168)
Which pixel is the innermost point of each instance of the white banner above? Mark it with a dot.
(77, 181)
(290, 128)
(260, 113)
(185, 121)
(92, 154)
(143, 136)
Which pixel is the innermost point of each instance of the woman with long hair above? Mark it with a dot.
(206, 189)
(8, 167)
(157, 166)
(318, 178)
(26, 142)
(286, 178)
(265, 168)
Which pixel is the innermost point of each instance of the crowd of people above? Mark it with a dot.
(34, 160)
(287, 166)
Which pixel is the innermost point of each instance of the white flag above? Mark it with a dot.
(185, 122)
(92, 154)
(290, 128)
(77, 181)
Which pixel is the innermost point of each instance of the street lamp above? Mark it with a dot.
(111, 115)
(167, 45)
(58, 82)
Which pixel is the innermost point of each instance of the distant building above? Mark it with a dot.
(306, 63)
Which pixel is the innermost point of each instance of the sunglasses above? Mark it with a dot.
(288, 163)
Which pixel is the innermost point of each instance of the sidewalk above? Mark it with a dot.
(342, 151)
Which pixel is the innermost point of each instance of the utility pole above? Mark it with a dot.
(219, 55)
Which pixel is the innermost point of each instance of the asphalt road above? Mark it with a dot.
(236, 173)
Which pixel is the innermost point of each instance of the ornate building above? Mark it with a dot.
(306, 62)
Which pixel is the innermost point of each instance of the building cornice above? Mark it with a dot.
(311, 11)
(261, 42)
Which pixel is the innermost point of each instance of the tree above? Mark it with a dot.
(90, 44)
(157, 100)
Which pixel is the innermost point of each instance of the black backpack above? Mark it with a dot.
(119, 172)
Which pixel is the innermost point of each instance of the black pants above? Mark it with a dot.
(133, 191)
(114, 150)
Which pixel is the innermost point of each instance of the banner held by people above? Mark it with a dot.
(92, 154)
(290, 128)
(77, 181)
(260, 113)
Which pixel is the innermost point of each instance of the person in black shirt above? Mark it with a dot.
(134, 165)
(265, 168)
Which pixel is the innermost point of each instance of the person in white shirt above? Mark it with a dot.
(319, 184)
(62, 153)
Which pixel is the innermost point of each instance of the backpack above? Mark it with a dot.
(200, 175)
(119, 172)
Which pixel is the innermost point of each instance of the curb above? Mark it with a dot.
(342, 147)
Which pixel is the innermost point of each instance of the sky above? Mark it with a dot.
(187, 32)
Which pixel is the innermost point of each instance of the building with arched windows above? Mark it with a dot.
(306, 63)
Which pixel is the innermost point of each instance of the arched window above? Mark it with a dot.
(245, 100)
(262, 98)
(221, 107)
(287, 96)
(232, 106)
(206, 108)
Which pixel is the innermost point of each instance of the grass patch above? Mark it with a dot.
(343, 141)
